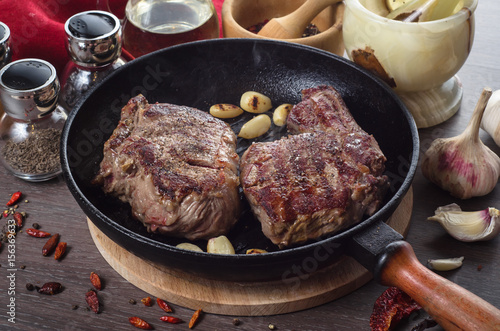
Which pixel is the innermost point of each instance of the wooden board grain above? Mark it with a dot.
(244, 299)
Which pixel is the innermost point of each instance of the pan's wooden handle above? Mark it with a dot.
(452, 306)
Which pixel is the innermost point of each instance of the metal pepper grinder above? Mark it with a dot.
(30, 129)
(94, 45)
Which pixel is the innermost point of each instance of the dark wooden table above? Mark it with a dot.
(52, 206)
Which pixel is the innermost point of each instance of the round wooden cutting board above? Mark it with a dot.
(244, 299)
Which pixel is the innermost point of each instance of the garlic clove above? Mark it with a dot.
(189, 247)
(463, 165)
(395, 4)
(220, 245)
(446, 264)
(468, 226)
(424, 10)
(491, 117)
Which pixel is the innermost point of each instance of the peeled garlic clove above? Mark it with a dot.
(425, 10)
(395, 4)
(281, 113)
(255, 127)
(225, 110)
(468, 226)
(189, 247)
(463, 165)
(255, 102)
(491, 117)
(446, 264)
(220, 245)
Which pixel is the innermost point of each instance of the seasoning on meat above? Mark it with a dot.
(319, 180)
(177, 168)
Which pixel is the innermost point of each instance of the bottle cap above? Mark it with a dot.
(94, 38)
(29, 89)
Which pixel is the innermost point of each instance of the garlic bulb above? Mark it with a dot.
(446, 264)
(463, 165)
(468, 226)
(491, 117)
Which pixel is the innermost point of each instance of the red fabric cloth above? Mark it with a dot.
(37, 26)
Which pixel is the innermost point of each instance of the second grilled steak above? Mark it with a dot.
(317, 182)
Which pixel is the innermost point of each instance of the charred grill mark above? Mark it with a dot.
(173, 184)
(147, 155)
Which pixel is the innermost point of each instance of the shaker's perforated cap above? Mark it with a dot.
(94, 38)
(26, 75)
(90, 25)
(29, 88)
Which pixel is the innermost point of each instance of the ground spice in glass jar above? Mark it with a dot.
(38, 154)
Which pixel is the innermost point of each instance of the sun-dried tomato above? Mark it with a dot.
(92, 300)
(95, 280)
(171, 319)
(194, 318)
(164, 305)
(390, 308)
(139, 323)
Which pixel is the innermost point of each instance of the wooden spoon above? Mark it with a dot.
(293, 25)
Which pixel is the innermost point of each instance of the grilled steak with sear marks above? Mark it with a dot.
(176, 166)
(320, 180)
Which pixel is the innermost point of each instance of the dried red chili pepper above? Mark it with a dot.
(50, 245)
(37, 233)
(14, 198)
(50, 288)
(18, 217)
(147, 301)
(60, 250)
(5, 213)
(171, 319)
(164, 305)
(95, 280)
(92, 301)
(139, 323)
(390, 308)
(195, 318)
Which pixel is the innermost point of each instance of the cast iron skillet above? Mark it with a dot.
(203, 73)
(218, 71)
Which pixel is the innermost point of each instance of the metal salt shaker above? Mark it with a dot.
(5, 52)
(94, 44)
(31, 126)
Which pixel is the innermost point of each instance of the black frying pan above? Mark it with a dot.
(203, 73)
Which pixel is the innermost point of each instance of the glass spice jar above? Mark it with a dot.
(94, 45)
(30, 129)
